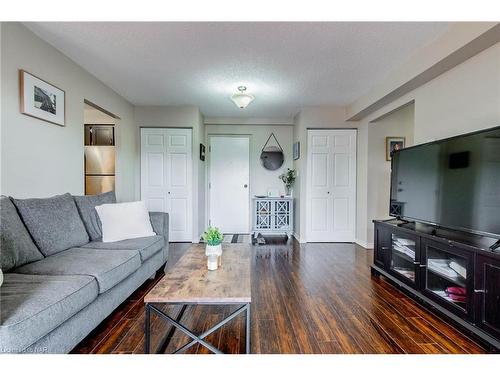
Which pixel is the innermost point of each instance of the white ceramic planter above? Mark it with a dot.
(214, 254)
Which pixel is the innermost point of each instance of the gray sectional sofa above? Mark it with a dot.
(60, 279)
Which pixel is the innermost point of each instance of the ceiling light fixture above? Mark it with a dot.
(242, 99)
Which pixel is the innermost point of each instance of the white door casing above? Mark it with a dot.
(166, 177)
(229, 187)
(331, 185)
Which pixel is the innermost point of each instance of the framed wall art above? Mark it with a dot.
(392, 144)
(296, 151)
(41, 100)
(202, 152)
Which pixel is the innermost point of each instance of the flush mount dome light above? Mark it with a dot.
(242, 99)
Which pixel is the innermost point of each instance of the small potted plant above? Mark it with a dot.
(213, 237)
(288, 179)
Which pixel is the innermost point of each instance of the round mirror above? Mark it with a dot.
(272, 158)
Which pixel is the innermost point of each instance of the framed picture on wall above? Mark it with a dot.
(392, 144)
(296, 150)
(41, 100)
(202, 152)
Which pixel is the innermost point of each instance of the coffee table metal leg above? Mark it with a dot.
(194, 337)
(147, 329)
(186, 331)
(248, 330)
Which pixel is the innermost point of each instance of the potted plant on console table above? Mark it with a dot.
(288, 179)
(213, 237)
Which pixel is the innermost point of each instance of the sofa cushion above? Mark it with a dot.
(147, 246)
(86, 206)
(34, 305)
(16, 246)
(109, 268)
(54, 223)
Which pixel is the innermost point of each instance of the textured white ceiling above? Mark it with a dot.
(285, 65)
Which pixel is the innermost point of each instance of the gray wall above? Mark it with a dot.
(398, 124)
(464, 99)
(41, 159)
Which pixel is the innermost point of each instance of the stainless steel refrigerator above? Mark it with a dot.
(99, 162)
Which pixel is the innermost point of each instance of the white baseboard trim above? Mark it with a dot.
(297, 237)
(366, 245)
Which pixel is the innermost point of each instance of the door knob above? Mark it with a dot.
(245, 186)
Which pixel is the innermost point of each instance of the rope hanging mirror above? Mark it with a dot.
(272, 157)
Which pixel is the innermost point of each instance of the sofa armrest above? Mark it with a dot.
(159, 221)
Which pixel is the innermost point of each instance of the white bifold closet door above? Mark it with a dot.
(166, 177)
(331, 185)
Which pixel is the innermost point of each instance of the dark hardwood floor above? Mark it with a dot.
(314, 298)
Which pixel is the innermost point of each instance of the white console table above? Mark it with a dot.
(272, 216)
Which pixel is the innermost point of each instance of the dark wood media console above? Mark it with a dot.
(454, 274)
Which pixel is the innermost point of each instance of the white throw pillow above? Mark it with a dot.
(122, 221)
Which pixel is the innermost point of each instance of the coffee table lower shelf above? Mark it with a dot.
(196, 338)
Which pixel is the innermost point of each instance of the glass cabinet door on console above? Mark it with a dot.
(404, 258)
(488, 294)
(382, 246)
(448, 277)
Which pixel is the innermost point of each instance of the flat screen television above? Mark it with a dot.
(453, 183)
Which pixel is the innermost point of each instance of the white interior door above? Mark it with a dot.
(166, 177)
(229, 183)
(331, 185)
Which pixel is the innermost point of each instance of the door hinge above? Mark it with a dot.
(209, 148)
(209, 185)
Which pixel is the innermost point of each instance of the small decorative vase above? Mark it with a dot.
(214, 254)
(288, 190)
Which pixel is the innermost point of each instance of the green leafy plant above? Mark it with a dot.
(288, 177)
(213, 236)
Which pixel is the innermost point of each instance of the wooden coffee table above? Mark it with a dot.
(189, 282)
